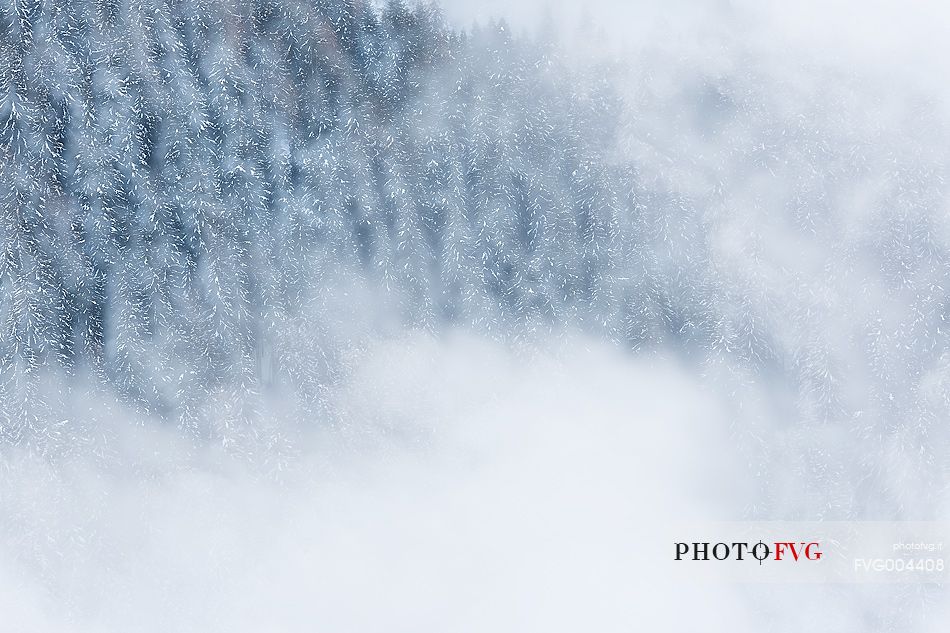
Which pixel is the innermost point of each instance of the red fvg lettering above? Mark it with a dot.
(806, 550)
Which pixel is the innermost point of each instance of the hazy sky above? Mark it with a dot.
(909, 36)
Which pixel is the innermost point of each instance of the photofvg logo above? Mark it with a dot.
(760, 551)
(849, 552)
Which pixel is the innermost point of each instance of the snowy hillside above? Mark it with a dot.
(339, 260)
(182, 183)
